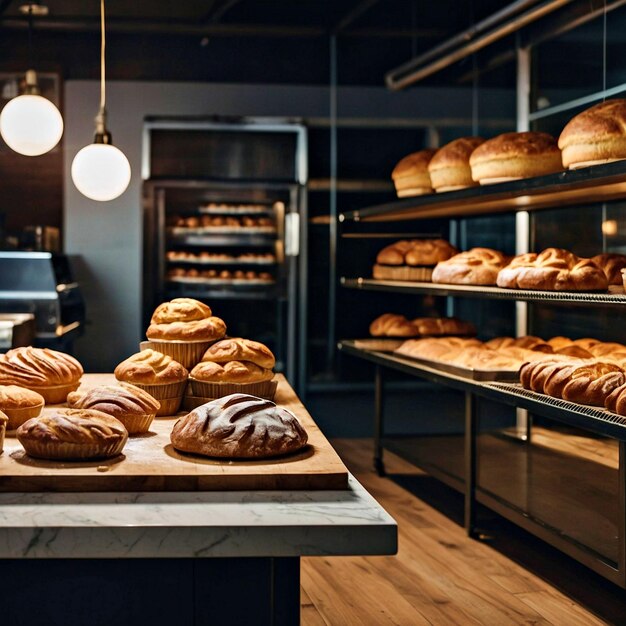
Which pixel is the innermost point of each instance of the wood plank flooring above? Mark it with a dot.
(441, 577)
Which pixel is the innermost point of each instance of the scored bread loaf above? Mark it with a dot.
(478, 266)
(239, 426)
(597, 135)
(554, 269)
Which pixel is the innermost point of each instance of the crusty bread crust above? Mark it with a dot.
(410, 175)
(450, 167)
(478, 266)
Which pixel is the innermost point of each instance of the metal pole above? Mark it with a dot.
(379, 408)
(470, 464)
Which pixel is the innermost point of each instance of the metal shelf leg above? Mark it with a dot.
(470, 464)
(379, 403)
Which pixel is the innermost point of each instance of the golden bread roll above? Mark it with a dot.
(554, 269)
(410, 175)
(180, 310)
(528, 342)
(443, 326)
(72, 434)
(207, 329)
(230, 372)
(515, 155)
(478, 266)
(449, 168)
(429, 252)
(616, 400)
(19, 404)
(48, 372)
(238, 349)
(392, 325)
(239, 426)
(597, 135)
(132, 406)
(394, 254)
(612, 266)
(149, 367)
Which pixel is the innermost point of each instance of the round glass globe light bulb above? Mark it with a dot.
(101, 172)
(31, 125)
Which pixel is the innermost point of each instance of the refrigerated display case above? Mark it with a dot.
(228, 231)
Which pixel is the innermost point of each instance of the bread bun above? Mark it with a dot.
(238, 349)
(449, 168)
(429, 252)
(208, 329)
(149, 367)
(394, 254)
(597, 135)
(180, 310)
(19, 404)
(478, 266)
(410, 175)
(72, 434)
(515, 155)
(230, 372)
(239, 426)
(392, 325)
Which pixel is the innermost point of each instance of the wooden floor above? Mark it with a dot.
(439, 576)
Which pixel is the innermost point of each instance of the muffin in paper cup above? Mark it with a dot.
(71, 451)
(55, 394)
(187, 353)
(18, 416)
(265, 389)
(3, 429)
(169, 406)
(169, 395)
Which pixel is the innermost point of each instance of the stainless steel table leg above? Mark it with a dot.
(470, 463)
(379, 402)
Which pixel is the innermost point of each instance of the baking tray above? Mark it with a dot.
(379, 344)
(239, 282)
(467, 372)
(233, 261)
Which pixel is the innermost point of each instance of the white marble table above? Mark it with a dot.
(176, 557)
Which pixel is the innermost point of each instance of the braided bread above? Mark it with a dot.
(616, 400)
(612, 266)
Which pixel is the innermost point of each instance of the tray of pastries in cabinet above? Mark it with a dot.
(219, 277)
(220, 258)
(205, 224)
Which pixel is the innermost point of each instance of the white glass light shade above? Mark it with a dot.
(31, 125)
(101, 172)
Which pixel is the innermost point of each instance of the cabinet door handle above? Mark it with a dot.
(292, 234)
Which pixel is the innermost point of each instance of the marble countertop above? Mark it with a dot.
(195, 524)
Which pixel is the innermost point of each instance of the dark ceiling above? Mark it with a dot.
(258, 41)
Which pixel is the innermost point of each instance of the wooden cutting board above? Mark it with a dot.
(150, 463)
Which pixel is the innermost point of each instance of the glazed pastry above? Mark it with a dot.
(239, 426)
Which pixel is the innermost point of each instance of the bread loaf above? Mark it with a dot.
(231, 372)
(597, 135)
(149, 367)
(449, 168)
(180, 310)
(612, 266)
(429, 252)
(593, 383)
(393, 325)
(554, 269)
(239, 426)
(238, 349)
(394, 254)
(478, 266)
(515, 155)
(410, 175)
(616, 400)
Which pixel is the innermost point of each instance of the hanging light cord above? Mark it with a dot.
(102, 64)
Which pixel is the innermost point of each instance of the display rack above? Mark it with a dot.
(598, 183)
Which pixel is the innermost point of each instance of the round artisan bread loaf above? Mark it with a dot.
(50, 373)
(239, 426)
(449, 168)
(230, 372)
(515, 155)
(72, 434)
(132, 406)
(239, 349)
(597, 135)
(478, 266)
(410, 175)
(150, 367)
(180, 310)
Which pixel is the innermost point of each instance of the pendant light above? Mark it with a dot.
(30, 124)
(101, 171)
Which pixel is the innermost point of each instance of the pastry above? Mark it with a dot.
(515, 155)
(72, 434)
(616, 400)
(478, 266)
(48, 372)
(238, 349)
(527, 341)
(597, 135)
(161, 376)
(553, 269)
(392, 325)
(410, 176)
(239, 426)
(443, 326)
(132, 406)
(449, 168)
(612, 266)
(19, 404)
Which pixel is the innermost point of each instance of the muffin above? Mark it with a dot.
(3, 429)
(129, 404)
(19, 404)
(234, 365)
(161, 376)
(72, 435)
(184, 328)
(48, 372)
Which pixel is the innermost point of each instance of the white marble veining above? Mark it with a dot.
(198, 524)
